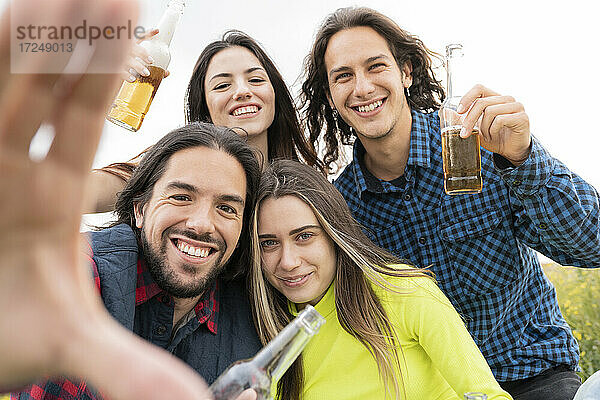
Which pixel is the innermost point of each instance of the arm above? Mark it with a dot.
(432, 321)
(102, 190)
(556, 212)
(105, 184)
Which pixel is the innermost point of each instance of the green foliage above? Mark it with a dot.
(578, 291)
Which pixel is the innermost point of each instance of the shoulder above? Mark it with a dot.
(411, 288)
(346, 177)
(113, 249)
(234, 289)
(235, 317)
(233, 296)
(116, 237)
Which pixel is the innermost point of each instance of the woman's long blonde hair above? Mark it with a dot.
(359, 265)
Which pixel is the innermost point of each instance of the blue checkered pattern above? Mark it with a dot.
(481, 246)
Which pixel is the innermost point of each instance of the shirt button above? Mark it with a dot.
(543, 225)
(407, 197)
(160, 330)
(422, 240)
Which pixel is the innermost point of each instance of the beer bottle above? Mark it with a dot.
(461, 156)
(134, 98)
(262, 372)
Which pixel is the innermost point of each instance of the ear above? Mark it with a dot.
(138, 211)
(407, 74)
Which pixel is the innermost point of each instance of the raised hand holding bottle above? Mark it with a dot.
(134, 98)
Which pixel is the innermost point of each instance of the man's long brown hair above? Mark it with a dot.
(360, 264)
(426, 93)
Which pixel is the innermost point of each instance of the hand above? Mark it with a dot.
(248, 394)
(53, 321)
(503, 123)
(139, 59)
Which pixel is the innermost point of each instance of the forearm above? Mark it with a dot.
(102, 190)
(556, 212)
(464, 368)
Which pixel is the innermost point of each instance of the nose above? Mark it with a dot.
(242, 91)
(363, 85)
(290, 258)
(201, 219)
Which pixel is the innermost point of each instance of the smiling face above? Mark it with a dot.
(239, 92)
(298, 257)
(192, 222)
(366, 85)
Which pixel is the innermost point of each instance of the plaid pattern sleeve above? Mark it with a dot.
(557, 212)
(58, 389)
(481, 247)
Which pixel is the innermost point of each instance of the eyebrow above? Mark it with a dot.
(367, 61)
(183, 186)
(292, 232)
(232, 198)
(229, 75)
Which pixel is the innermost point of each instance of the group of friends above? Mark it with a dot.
(228, 226)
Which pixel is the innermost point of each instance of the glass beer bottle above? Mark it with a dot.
(262, 372)
(461, 157)
(134, 98)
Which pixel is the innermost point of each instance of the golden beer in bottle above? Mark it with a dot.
(461, 156)
(134, 98)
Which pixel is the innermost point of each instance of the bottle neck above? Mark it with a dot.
(277, 356)
(456, 78)
(168, 22)
(280, 353)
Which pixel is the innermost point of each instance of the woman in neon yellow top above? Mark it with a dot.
(390, 332)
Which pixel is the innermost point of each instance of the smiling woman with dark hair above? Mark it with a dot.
(234, 84)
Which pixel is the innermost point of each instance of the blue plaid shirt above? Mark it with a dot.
(481, 246)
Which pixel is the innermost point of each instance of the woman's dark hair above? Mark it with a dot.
(140, 186)
(426, 93)
(285, 137)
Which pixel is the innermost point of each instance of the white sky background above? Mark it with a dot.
(542, 53)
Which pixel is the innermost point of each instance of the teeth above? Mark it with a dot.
(370, 107)
(294, 280)
(245, 110)
(201, 252)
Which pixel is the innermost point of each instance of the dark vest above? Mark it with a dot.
(115, 252)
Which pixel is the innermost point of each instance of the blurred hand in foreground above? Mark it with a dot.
(53, 321)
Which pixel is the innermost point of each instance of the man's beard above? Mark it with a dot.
(166, 277)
